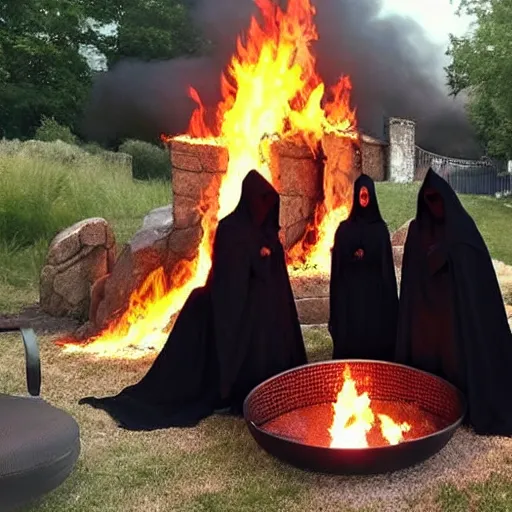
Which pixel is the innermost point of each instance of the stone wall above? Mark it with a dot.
(297, 176)
(172, 234)
(311, 294)
(374, 155)
(169, 235)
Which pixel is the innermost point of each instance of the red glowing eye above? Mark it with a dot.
(364, 197)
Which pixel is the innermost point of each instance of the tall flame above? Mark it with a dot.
(270, 90)
(353, 419)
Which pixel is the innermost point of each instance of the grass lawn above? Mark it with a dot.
(40, 197)
(215, 467)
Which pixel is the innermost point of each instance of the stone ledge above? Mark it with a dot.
(313, 311)
(310, 286)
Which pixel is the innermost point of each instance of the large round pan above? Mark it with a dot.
(319, 383)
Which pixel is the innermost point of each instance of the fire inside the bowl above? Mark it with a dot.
(355, 421)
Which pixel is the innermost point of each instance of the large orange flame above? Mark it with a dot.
(271, 90)
(353, 419)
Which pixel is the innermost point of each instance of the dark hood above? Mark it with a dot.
(458, 224)
(259, 201)
(370, 213)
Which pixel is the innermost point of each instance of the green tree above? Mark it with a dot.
(42, 72)
(482, 67)
(149, 30)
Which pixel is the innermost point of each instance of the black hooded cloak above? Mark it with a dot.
(452, 319)
(363, 289)
(239, 329)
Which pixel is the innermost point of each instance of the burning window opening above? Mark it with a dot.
(271, 94)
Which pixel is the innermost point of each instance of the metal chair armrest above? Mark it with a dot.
(32, 358)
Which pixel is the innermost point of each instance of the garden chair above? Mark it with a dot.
(39, 443)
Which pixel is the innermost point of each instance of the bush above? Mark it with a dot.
(93, 148)
(72, 156)
(40, 196)
(149, 161)
(50, 130)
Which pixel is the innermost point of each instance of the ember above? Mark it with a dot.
(271, 91)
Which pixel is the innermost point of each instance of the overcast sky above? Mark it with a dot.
(436, 16)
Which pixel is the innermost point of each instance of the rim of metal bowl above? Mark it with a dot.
(452, 426)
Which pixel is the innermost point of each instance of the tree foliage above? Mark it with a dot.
(43, 70)
(482, 66)
(150, 30)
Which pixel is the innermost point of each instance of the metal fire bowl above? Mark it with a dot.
(319, 383)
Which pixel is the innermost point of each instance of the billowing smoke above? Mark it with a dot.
(395, 69)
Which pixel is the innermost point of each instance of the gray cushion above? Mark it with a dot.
(39, 445)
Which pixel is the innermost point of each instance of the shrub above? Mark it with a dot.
(93, 148)
(73, 156)
(149, 161)
(50, 130)
(39, 196)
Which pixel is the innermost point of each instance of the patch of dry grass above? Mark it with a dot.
(217, 467)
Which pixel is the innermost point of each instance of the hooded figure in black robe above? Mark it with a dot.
(452, 319)
(363, 290)
(239, 329)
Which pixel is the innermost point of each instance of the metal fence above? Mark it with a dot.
(483, 177)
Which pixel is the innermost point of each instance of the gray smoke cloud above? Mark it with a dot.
(395, 70)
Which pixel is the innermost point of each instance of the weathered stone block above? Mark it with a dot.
(313, 311)
(64, 246)
(129, 273)
(157, 226)
(111, 259)
(299, 177)
(110, 242)
(69, 273)
(293, 149)
(295, 176)
(292, 234)
(374, 157)
(310, 286)
(198, 157)
(146, 252)
(294, 209)
(185, 162)
(185, 242)
(186, 212)
(94, 232)
(402, 150)
(96, 265)
(48, 274)
(159, 219)
(72, 284)
(57, 306)
(195, 185)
